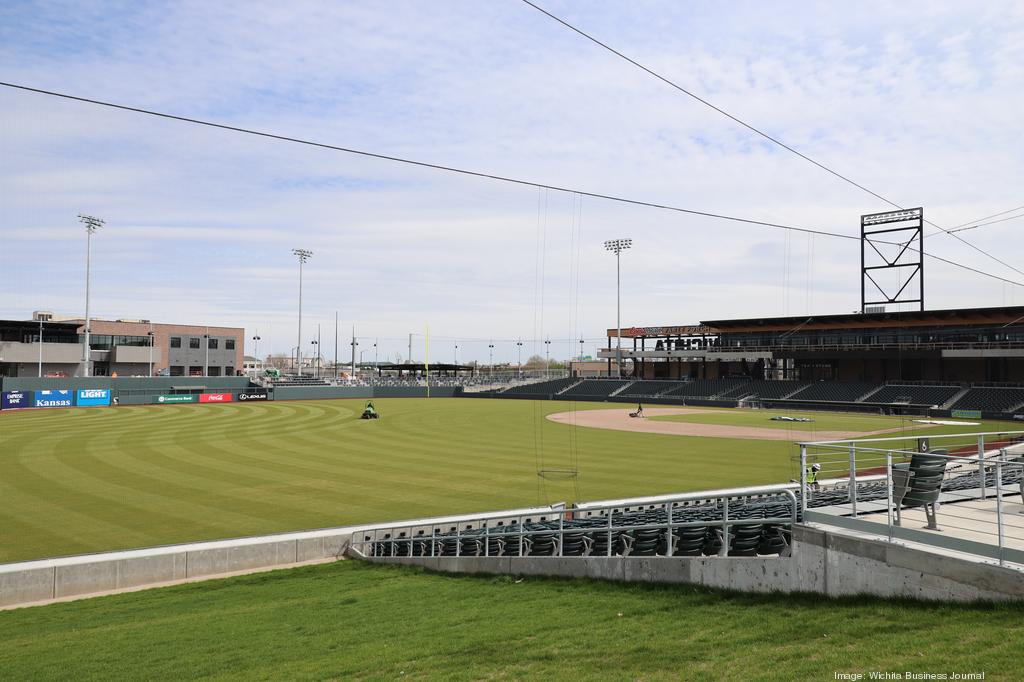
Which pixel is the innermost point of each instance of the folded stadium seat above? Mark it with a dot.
(576, 543)
(644, 542)
(919, 483)
(689, 540)
(744, 539)
(541, 544)
(773, 541)
(712, 541)
(496, 546)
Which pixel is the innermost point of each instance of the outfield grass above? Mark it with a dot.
(351, 620)
(86, 480)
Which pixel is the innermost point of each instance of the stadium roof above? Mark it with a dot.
(1005, 315)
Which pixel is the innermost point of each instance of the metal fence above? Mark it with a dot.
(967, 489)
(737, 522)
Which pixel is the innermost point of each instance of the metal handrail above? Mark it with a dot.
(985, 463)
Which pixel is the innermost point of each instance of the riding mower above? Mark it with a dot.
(369, 412)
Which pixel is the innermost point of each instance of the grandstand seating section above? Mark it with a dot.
(990, 399)
(764, 390)
(836, 392)
(595, 388)
(914, 394)
(704, 388)
(543, 388)
(645, 389)
(986, 399)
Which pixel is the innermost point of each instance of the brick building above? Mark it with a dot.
(121, 347)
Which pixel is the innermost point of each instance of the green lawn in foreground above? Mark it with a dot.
(351, 620)
(86, 480)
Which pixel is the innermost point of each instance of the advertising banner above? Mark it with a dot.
(15, 400)
(172, 399)
(54, 398)
(89, 397)
(253, 394)
(215, 398)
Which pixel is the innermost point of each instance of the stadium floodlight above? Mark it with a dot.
(519, 350)
(490, 357)
(303, 255)
(152, 337)
(618, 246)
(92, 224)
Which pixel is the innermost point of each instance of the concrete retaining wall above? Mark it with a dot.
(46, 579)
(823, 561)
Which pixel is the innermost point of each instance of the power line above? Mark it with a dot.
(750, 127)
(472, 173)
(421, 164)
(970, 224)
(991, 222)
(994, 215)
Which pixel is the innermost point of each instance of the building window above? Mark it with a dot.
(177, 370)
(195, 370)
(212, 344)
(214, 372)
(229, 344)
(175, 342)
(229, 371)
(193, 342)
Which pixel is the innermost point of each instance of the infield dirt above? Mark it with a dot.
(620, 420)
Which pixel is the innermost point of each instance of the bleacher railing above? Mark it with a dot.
(604, 522)
(978, 508)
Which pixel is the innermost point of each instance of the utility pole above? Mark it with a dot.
(618, 246)
(354, 344)
(206, 362)
(547, 358)
(408, 358)
(335, 345)
(91, 225)
(519, 343)
(490, 357)
(303, 255)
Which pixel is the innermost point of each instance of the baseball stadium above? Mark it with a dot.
(704, 484)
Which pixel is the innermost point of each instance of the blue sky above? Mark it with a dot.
(918, 101)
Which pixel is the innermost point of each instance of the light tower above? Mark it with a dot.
(91, 225)
(617, 246)
(303, 255)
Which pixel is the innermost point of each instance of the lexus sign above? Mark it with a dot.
(253, 394)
